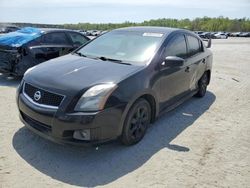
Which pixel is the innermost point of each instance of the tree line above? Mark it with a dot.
(197, 24)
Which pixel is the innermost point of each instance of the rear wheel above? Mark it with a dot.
(136, 123)
(202, 85)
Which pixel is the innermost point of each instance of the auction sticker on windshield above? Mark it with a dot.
(152, 34)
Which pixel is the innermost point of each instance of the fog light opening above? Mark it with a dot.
(82, 134)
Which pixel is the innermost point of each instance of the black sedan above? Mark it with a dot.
(28, 47)
(114, 86)
(8, 28)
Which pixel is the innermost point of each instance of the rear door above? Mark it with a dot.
(196, 61)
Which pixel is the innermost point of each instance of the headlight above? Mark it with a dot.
(95, 98)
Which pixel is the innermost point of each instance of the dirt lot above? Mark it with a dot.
(203, 143)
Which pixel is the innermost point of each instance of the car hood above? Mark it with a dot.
(72, 73)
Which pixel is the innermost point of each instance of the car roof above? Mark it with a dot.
(163, 30)
(8, 25)
(47, 30)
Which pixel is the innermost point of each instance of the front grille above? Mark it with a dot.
(42, 96)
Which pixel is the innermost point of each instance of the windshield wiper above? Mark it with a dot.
(88, 56)
(103, 58)
(113, 60)
(80, 54)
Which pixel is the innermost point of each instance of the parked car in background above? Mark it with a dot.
(97, 32)
(198, 32)
(93, 32)
(244, 34)
(114, 86)
(207, 35)
(221, 36)
(202, 35)
(84, 32)
(235, 34)
(28, 47)
(8, 28)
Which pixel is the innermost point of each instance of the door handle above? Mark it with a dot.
(203, 60)
(187, 69)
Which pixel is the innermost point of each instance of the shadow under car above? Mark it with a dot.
(91, 166)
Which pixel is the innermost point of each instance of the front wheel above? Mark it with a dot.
(136, 122)
(202, 85)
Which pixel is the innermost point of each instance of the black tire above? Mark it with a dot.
(202, 85)
(136, 122)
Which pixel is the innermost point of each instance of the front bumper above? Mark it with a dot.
(5, 67)
(7, 60)
(58, 126)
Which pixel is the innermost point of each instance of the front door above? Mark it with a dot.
(174, 80)
(53, 45)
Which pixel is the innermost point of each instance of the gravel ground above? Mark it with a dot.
(203, 143)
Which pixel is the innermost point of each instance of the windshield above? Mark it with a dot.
(129, 46)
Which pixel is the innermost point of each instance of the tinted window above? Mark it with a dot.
(55, 38)
(36, 41)
(177, 47)
(77, 39)
(194, 45)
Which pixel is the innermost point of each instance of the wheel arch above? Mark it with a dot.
(151, 100)
(148, 95)
(208, 72)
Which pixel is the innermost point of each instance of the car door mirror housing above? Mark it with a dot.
(173, 61)
(209, 43)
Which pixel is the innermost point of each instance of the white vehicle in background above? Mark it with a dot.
(235, 34)
(221, 36)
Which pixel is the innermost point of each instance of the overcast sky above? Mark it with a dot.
(99, 11)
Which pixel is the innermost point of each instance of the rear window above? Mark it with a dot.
(77, 39)
(55, 38)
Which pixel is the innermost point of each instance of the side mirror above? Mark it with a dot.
(173, 61)
(209, 43)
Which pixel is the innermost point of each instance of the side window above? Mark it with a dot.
(194, 45)
(77, 39)
(36, 41)
(55, 38)
(177, 47)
